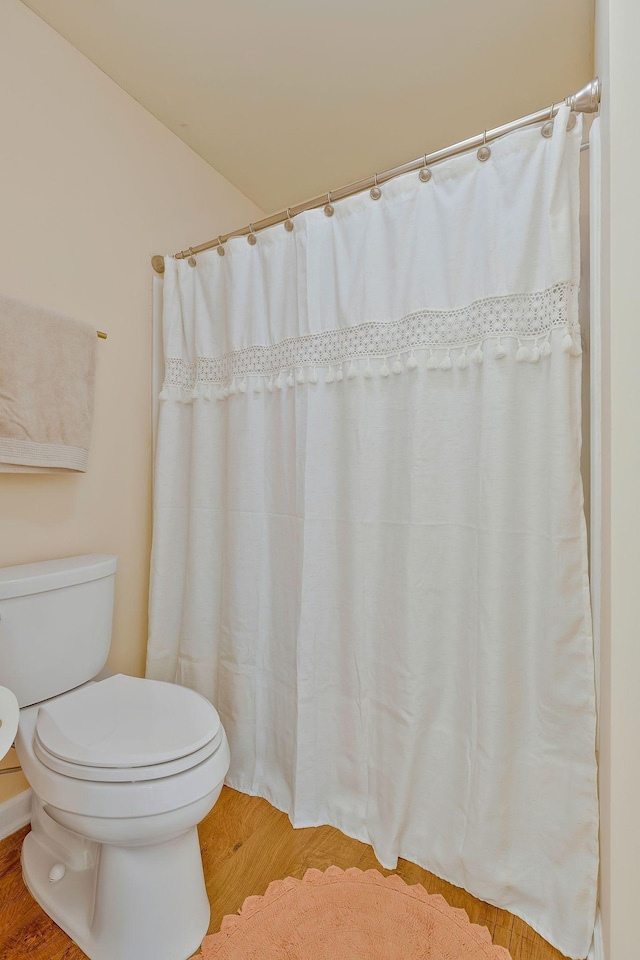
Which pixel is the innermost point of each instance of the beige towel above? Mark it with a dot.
(47, 373)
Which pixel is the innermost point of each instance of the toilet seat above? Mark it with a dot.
(125, 729)
(117, 799)
(124, 774)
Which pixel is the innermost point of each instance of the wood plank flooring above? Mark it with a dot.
(246, 843)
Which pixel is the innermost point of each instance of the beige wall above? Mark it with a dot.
(90, 186)
(618, 29)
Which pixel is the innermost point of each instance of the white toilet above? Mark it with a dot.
(122, 770)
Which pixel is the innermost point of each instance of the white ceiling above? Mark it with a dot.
(290, 98)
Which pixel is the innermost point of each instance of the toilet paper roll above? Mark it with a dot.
(9, 717)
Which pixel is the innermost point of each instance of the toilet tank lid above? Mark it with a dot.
(29, 578)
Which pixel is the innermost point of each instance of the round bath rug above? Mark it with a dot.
(349, 915)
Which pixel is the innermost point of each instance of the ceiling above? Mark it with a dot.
(291, 98)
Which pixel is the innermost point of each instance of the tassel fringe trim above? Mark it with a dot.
(530, 351)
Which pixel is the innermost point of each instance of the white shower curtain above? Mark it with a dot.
(369, 545)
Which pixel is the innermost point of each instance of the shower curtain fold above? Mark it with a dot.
(369, 545)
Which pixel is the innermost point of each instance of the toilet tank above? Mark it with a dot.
(55, 624)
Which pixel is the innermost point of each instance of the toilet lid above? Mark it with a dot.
(126, 722)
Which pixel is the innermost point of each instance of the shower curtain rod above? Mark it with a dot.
(586, 100)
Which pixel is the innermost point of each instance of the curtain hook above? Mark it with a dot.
(375, 193)
(425, 173)
(547, 128)
(192, 260)
(220, 247)
(328, 207)
(288, 224)
(252, 236)
(484, 152)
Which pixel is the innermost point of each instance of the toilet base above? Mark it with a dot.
(119, 902)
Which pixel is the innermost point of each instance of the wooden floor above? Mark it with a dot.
(246, 843)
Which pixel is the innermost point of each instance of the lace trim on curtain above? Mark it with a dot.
(525, 318)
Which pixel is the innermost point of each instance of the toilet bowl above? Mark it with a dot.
(122, 770)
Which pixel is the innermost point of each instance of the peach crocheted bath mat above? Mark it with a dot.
(349, 915)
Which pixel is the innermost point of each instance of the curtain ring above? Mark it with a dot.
(328, 207)
(192, 260)
(220, 247)
(252, 236)
(425, 173)
(484, 152)
(547, 128)
(288, 224)
(375, 193)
